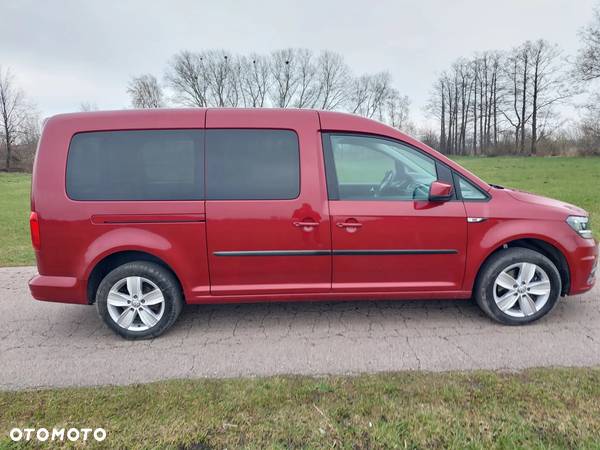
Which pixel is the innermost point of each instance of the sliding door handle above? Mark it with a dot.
(305, 224)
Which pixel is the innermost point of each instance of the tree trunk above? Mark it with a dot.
(496, 106)
(524, 103)
(8, 156)
(475, 119)
(534, 110)
(8, 141)
(443, 121)
(481, 116)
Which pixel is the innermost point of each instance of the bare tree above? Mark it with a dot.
(589, 126)
(15, 114)
(285, 77)
(334, 77)
(255, 80)
(396, 110)
(221, 79)
(188, 78)
(368, 94)
(145, 92)
(512, 109)
(306, 72)
(548, 86)
(587, 64)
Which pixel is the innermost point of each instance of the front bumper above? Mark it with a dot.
(584, 268)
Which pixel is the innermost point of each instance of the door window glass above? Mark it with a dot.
(371, 168)
(252, 165)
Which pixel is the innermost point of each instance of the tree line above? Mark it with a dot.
(506, 101)
(500, 100)
(285, 78)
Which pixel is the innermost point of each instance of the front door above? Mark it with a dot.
(386, 235)
(267, 220)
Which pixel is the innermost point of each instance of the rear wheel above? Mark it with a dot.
(139, 300)
(517, 286)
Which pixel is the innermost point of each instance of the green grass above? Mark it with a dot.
(574, 180)
(15, 243)
(542, 408)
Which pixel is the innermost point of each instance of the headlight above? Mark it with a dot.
(581, 224)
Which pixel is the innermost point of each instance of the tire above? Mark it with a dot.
(502, 281)
(145, 300)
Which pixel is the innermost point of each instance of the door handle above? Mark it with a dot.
(305, 224)
(348, 225)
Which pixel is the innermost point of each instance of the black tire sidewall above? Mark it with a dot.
(484, 292)
(160, 276)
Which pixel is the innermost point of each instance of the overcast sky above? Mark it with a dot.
(64, 53)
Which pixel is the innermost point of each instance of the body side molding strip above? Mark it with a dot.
(275, 253)
(335, 252)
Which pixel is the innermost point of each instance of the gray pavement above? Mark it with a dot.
(51, 344)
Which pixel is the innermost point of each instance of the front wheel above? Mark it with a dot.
(139, 300)
(517, 286)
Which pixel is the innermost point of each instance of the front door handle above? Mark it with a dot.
(348, 225)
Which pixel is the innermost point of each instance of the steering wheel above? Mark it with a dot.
(386, 181)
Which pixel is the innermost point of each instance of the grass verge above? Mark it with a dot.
(15, 243)
(541, 408)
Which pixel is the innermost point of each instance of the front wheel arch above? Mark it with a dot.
(547, 249)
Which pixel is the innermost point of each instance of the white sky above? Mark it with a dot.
(64, 53)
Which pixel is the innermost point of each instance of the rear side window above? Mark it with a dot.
(136, 165)
(252, 165)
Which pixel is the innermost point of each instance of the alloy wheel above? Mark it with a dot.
(135, 303)
(522, 289)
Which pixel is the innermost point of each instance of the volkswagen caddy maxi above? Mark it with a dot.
(140, 212)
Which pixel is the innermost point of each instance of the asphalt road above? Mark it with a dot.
(50, 344)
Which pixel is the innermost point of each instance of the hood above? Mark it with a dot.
(527, 197)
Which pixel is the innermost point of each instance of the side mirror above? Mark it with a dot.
(440, 192)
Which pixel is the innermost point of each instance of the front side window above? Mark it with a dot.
(136, 165)
(252, 165)
(371, 168)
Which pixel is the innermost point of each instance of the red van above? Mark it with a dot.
(143, 211)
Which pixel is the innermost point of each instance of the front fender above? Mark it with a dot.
(487, 237)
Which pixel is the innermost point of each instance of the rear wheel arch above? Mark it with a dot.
(116, 259)
(549, 250)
